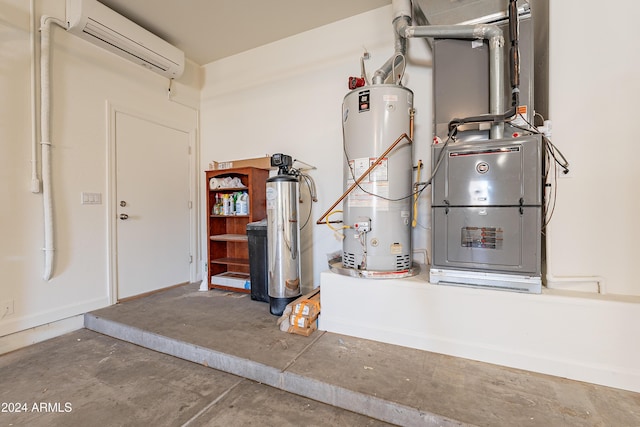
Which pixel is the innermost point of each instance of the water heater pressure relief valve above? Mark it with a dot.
(356, 82)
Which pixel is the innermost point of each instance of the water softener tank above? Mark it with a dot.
(283, 239)
(378, 211)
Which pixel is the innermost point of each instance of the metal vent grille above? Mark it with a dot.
(403, 262)
(348, 260)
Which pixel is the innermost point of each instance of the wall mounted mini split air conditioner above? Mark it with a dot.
(102, 26)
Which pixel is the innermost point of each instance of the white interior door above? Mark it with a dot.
(152, 205)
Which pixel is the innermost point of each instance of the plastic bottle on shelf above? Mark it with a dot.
(233, 197)
(226, 205)
(216, 206)
(241, 204)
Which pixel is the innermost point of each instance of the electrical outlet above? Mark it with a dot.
(6, 308)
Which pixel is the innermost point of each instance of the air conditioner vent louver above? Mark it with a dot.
(126, 45)
(102, 26)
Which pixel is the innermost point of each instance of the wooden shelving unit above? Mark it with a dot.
(228, 250)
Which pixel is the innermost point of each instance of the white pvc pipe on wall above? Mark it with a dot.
(45, 143)
(35, 181)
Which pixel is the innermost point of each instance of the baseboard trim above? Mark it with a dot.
(18, 340)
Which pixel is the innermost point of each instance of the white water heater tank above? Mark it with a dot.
(378, 210)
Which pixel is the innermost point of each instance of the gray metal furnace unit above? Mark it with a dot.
(487, 214)
(487, 195)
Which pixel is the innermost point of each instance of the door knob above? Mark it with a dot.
(124, 216)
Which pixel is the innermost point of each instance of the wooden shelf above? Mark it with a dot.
(227, 189)
(229, 238)
(228, 249)
(231, 261)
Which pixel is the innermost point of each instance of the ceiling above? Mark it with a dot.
(207, 30)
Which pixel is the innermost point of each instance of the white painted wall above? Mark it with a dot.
(594, 85)
(84, 79)
(286, 97)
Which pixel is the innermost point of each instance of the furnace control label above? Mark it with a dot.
(482, 237)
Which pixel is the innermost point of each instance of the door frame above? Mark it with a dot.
(111, 200)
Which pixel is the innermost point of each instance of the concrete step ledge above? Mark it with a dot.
(330, 394)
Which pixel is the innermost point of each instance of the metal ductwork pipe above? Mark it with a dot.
(402, 19)
(381, 75)
(496, 58)
(401, 8)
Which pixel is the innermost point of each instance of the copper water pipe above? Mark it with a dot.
(412, 113)
(373, 165)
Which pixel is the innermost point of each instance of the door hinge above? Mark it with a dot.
(190, 204)
(189, 150)
(190, 258)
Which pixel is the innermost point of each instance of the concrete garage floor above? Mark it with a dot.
(247, 372)
(97, 380)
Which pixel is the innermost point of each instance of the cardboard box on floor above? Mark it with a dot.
(301, 321)
(301, 316)
(257, 162)
(304, 331)
(308, 305)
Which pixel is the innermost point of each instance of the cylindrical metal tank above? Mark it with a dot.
(378, 211)
(283, 239)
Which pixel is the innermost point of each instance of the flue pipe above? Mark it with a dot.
(381, 75)
(492, 33)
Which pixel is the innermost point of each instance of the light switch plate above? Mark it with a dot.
(91, 198)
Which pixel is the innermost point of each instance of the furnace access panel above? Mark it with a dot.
(487, 207)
